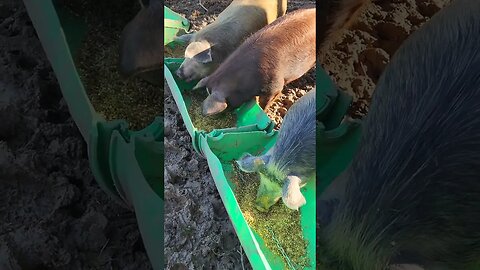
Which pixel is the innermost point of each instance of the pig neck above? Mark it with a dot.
(240, 71)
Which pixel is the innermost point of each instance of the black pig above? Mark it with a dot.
(287, 166)
(411, 197)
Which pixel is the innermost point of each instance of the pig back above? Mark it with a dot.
(415, 180)
(273, 9)
(294, 151)
(236, 23)
(287, 46)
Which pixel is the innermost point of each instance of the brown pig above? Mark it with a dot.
(209, 47)
(274, 56)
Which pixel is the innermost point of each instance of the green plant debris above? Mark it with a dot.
(288, 242)
(225, 119)
(134, 100)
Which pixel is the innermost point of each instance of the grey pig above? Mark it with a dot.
(209, 47)
(286, 167)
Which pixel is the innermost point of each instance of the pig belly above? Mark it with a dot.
(294, 72)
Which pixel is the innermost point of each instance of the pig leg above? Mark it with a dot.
(266, 100)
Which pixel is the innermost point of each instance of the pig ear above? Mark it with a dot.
(291, 195)
(245, 155)
(245, 163)
(184, 38)
(261, 162)
(204, 57)
(249, 163)
(202, 83)
(200, 51)
(214, 104)
(244, 159)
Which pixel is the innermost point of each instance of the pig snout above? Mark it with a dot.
(291, 195)
(183, 75)
(180, 73)
(190, 70)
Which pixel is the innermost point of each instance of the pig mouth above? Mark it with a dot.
(188, 79)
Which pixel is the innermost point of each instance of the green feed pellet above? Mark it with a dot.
(225, 119)
(134, 100)
(280, 227)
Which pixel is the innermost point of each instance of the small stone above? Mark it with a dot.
(282, 112)
(288, 102)
(192, 165)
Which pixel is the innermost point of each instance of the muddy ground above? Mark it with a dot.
(53, 214)
(198, 232)
(359, 57)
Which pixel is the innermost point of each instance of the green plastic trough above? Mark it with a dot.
(127, 164)
(253, 133)
(175, 25)
(337, 139)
